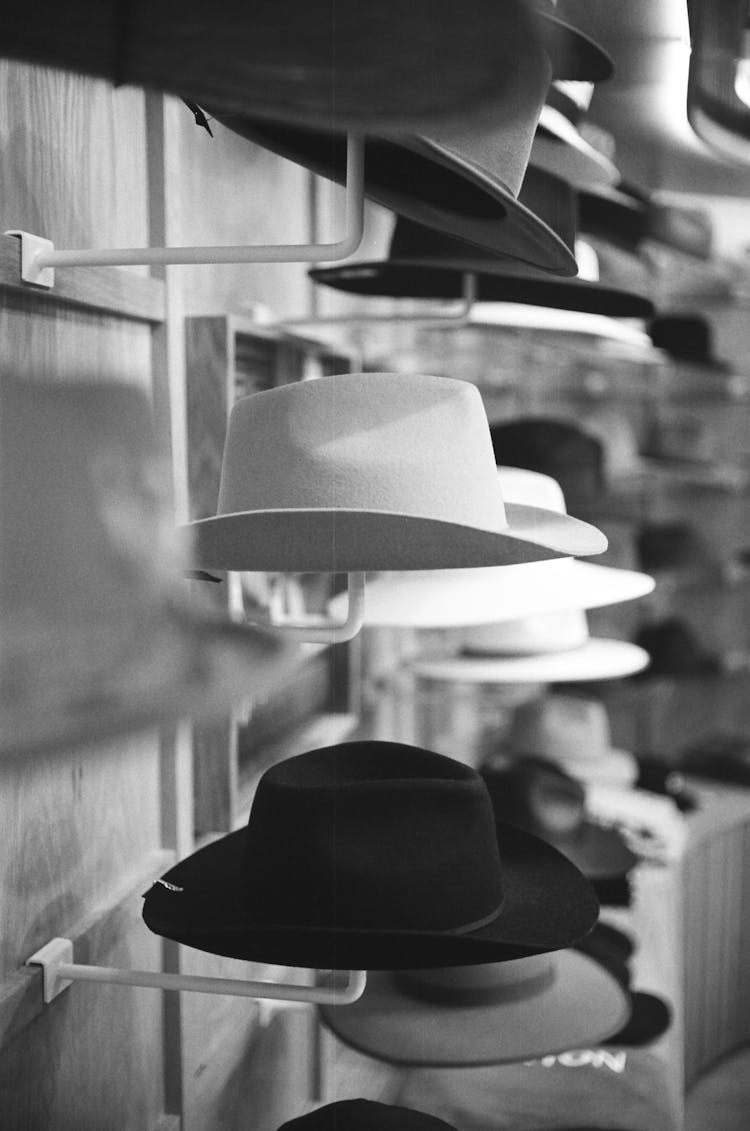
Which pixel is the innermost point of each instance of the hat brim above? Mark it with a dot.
(433, 599)
(331, 540)
(599, 852)
(547, 905)
(573, 54)
(183, 666)
(425, 181)
(583, 1005)
(495, 282)
(559, 148)
(595, 660)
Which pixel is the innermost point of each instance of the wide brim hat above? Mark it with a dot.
(259, 893)
(429, 264)
(371, 471)
(567, 1000)
(539, 797)
(96, 642)
(650, 1014)
(560, 148)
(310, 64)
(457, 598)
(462, 182)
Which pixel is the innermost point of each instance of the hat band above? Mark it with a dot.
(418, 985)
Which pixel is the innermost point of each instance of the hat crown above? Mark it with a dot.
(561, 727)
(518, 979)
(374, 836)
(531, 488)
(365, 1115)
(553, 446)
(529, 636)
(364, 442)
(538, 797)
(687, 337)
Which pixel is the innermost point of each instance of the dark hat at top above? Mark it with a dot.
(538, 796)
(573, 53)
(373, 855)
(686, 337)
(365, 1115)
(426, 263)
(308, 62)
(554, 447)
(464, 181)
(675, 650)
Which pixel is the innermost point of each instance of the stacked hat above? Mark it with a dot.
(376, 856)
(371, 471)
(456, 598)
(427, 264)
(555, 447)
(546, 648)
(365, 1115)
(574, 733)
(95, 637)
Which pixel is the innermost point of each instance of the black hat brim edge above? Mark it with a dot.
(599, 852)
(584, 1005)
(437, 279)
(573, 54)
(548, 905)
(425, 181)
(650, 1018)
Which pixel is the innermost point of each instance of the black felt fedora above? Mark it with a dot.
(688, 338)
(555, 447)
(425, 263)
(462, 181)
(540, 797)
(303, 61)
(365, 1115)
(373, 855)
(675, 650)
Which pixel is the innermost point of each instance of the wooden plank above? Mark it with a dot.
(111, 290)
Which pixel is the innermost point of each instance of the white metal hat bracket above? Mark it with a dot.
(459, 313)
(59, 971)
(317, 629)
(39, 257)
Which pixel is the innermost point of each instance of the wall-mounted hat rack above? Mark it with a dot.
(59, 971)
(39, 256)
(312, 629)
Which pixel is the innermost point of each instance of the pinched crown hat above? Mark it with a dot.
(573, 53)
(574, 733)
(465, 1016)
(548, 648)
(373, 855)
(456, 598)
(94, 640)
(462, 181)
(371, 471)
(426, 263)
(309, 62)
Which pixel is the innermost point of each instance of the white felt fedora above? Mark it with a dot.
(545, 648)
(492, 1014)
(458, 598)
(560, 148)
(575, 733)
(96, 638)
(371, 471)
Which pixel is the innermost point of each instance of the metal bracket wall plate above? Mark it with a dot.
(31, 248)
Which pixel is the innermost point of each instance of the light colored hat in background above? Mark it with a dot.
(371, 471)
(574, 732)
(559, 146)
(545, 648)
(489, 1014)
(96, 635)
(456, 598)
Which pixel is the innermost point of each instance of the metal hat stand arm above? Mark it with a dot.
(59, 971)
(39, 257)
(459, 314)
(315, 629)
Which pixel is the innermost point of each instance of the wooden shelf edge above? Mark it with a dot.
(21, 993)
(108, 290)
